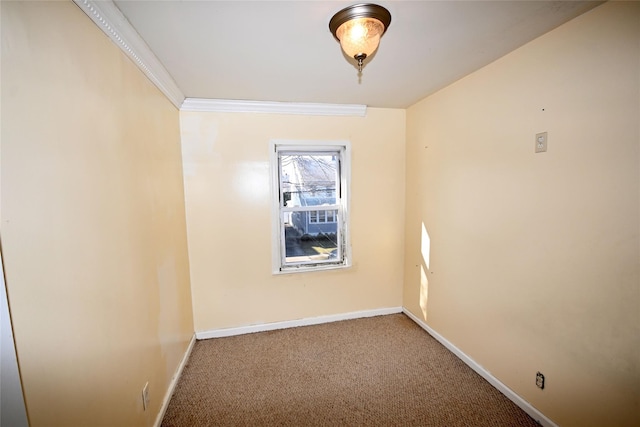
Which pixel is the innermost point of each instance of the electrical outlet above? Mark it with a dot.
(145, 396)
(541, 142)
(540, 380)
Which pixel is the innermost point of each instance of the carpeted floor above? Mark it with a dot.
(377, 371)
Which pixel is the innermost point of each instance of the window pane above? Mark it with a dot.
(311, 184)
(309, 242)
(309, 179)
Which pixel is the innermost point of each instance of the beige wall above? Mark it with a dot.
(93, 226)
(535, 257)
(227, 178)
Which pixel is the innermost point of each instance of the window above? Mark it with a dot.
(310, 213)
(322, 216)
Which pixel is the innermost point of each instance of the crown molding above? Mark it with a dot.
(106, 15)
(238, 106)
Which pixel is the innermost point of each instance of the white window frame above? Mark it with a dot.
(342, 205)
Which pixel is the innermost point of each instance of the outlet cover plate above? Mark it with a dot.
(540, 380)
(541, 142)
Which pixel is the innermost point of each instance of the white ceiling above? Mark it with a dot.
(283, 50)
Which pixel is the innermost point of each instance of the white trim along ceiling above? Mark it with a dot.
(106, 15)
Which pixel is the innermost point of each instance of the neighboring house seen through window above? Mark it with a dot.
(310, 220)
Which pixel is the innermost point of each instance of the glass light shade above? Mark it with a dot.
(360, 36)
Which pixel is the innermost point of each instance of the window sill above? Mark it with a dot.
(303, 269)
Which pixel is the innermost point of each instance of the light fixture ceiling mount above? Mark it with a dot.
(359, 28)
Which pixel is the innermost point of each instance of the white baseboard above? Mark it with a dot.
(174, 382)
(227, 332)
(510, 394)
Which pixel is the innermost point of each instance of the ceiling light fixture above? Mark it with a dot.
(359, 28)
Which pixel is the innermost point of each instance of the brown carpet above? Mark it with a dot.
(377, 371)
